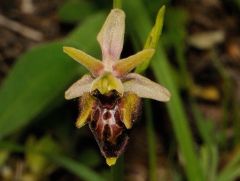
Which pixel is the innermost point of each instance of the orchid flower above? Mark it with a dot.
(110, 96)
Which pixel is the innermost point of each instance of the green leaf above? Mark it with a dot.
(175, 39)
(231, 171)
(38, 163)
(176, 27)
(90, 157)
(41, 76)
(209, 160)
(205, 126)
(73, 11)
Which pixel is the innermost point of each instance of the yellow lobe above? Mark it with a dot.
(111, 161)
(130, 104)
(94, 65)
(86, 105)
(106, 83)
(125, 65)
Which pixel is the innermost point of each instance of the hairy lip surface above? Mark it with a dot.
(107, 125)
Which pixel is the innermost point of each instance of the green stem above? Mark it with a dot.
(117, 4)
(117, 171)
(227, 87)
(152, 150)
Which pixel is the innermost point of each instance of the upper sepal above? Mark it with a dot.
(111, 36)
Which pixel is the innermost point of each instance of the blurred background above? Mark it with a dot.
(193, 137)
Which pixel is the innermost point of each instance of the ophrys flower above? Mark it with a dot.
(110, 95)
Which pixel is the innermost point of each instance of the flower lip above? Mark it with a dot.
(111, 35)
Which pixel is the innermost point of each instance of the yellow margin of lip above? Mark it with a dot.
(111, 161)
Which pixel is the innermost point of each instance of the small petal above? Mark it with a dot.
(94, 65)
(86, 105)
(111, 36)
(78, 88)
(130, 106)
(145, 88)
(125, 65)
(153, 37)
(106, 83)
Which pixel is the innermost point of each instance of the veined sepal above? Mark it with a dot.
(79, 87)
(111, 36)
(145, 88)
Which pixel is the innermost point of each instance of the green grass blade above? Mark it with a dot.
(138, 17)
(231, 170)
(75, 167)
(231, 175)
(181, 128)
(41, 76)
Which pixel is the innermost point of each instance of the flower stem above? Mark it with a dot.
(117, 171)
(152, 150)
(117, 4)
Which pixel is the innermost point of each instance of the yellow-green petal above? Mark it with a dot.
(153, 38)
(130, 104)
(86, 106)
(125, 65)
(94, 65)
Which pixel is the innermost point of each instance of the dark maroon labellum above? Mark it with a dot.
(107, 124)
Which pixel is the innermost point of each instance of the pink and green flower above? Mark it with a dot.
(110, 96)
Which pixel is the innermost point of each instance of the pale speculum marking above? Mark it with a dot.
(106, 122)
